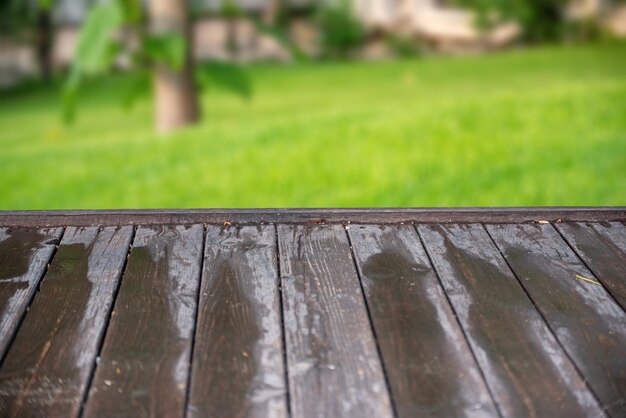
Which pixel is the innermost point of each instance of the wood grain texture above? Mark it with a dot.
(333, 365)
(24, 255)
(527, 371)
(48, 365)
(238, 366)
(588, 323)
(331, 215)
(431, 370)
(602, 246)
(144, 363)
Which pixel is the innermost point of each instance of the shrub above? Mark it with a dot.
(341, 31)
(542, 20)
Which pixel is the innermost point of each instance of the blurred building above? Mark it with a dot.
(431, 23)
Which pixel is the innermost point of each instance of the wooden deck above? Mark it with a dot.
(313, 313)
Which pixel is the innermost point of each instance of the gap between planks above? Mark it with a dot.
(458, 322)
(282, 324)
(195, 322)
(32, 298)
(85, 396)
(544, 319)
(588, 267)
(392, 402)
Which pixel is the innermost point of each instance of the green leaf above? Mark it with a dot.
(44, 4)
(94, 52)
(68, 98)
(138, 86)
(168, 49)
(132, 11)
(225, 75)
(230, 9)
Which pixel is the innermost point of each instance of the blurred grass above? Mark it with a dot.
(530, 127)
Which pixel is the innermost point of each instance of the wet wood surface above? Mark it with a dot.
(143, 366)
(590, 326)
(423, 349)
(526, 369)
(308, 318)
(602, 246)
(47, 367)
(238, 368)
(333, 365)
(24, 255)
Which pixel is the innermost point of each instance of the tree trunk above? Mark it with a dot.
(44, 44)
(176, 101)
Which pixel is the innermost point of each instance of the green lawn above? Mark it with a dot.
(531, 127)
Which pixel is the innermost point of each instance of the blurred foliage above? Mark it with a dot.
(102, 41)
(31, 21)
(96, 50)
(341, 31)
(17, 15)
(230, 10)
(280, 32)
(583, 30)
(541, 20)
(168, 49)
(225, 76)
(136, 86)
(403, 46)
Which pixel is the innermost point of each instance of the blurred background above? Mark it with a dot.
(301, 103)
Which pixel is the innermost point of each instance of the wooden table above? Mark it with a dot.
(513, 312)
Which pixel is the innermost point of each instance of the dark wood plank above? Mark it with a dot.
(331, 215)
(49, 363)
(238, 368)
(602, 246)
(430, 368)
(24, 255)
(586, 320)
(144, 363)
(333, 365)
(526, 369)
